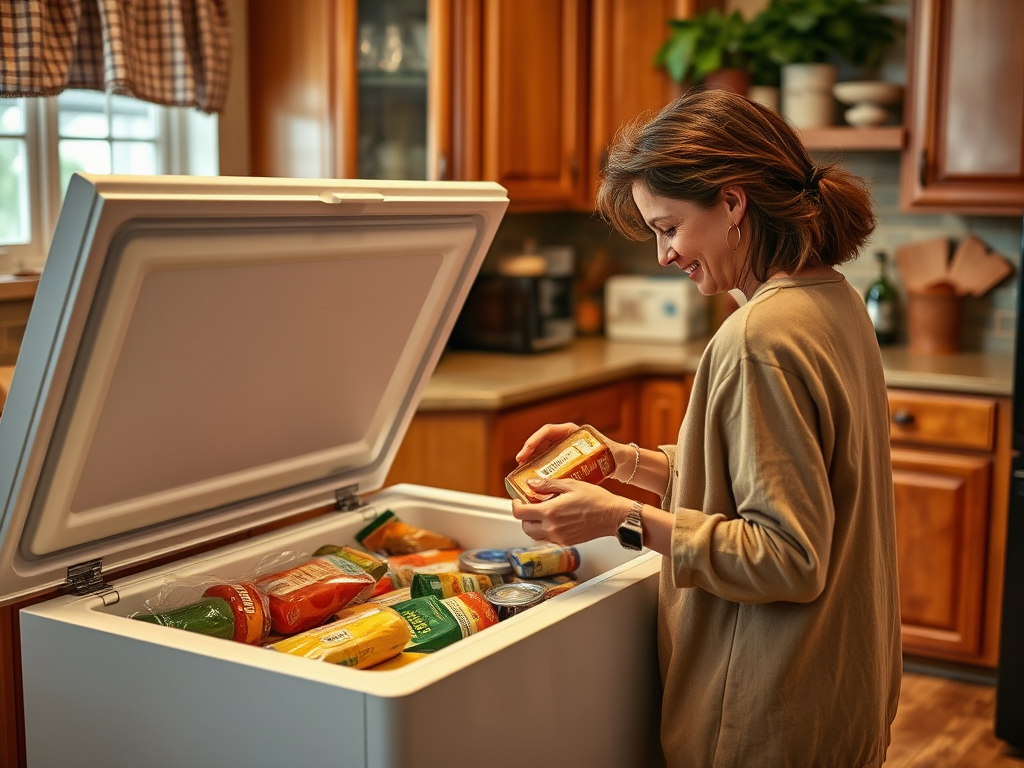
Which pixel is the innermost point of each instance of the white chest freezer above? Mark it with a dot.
(205, 356)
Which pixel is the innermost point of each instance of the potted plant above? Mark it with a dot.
(808, 38)
(708, 48)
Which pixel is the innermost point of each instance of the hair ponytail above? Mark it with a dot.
(799, 214)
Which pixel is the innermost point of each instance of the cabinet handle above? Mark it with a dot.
(922, 168)
(903, 418)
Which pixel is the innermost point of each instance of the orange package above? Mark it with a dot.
(389, 535)
(303, 596)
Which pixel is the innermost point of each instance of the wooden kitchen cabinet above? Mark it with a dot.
(964, 108)
(351, 88)
(543, 85)
(950, 459)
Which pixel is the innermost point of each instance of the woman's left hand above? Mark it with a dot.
(574, 512)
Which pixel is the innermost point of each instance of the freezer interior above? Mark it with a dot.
(576, 674)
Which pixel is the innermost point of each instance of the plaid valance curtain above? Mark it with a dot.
(170, 52)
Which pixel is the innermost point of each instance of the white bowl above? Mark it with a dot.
(867, 92)
(864, 114)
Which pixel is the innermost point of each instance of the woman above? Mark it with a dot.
(778, 625)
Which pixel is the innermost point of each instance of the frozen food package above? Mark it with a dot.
(236, 611)
(374, 566)
(389, 535)
(303, 596)
(399, 595)
(443, 585)
(543, 560)
(401, 568)
(581, 455)
(404, 659)
(360, 636)
(436, 624)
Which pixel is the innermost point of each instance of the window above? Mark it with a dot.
(44, 141)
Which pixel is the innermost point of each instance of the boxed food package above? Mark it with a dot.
(209, 356)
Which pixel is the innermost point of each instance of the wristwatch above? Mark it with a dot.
(631, 530)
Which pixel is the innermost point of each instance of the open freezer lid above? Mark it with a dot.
(206, 355)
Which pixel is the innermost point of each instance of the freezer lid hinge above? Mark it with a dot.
(87, 579)
(347, 500)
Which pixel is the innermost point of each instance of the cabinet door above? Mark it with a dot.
(624, 83)
(942, 503)
(521, 63)
(351, 88)
(965, 102)
(661, 406)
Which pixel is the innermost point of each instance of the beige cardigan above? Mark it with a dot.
(779, 628)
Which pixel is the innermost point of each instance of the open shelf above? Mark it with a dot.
(848, 137)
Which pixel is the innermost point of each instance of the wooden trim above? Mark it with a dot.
(996, 553)
(343, 90)
(467, 90)
(842, 137)
(439, 90)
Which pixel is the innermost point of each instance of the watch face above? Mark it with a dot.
(630, 537)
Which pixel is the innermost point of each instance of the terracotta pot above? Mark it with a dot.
(736, 80)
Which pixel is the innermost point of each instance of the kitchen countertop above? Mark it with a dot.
(493, 381)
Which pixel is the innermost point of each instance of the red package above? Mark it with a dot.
(304, 596)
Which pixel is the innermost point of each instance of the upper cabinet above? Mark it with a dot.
(965, 108)
(541, 86)
(351, 88)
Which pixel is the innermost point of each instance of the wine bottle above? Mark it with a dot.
(881, 303)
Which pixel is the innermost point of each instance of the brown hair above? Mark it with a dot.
(799, 214)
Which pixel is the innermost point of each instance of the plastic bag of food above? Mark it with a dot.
(401, 568)
(306, 594)
(234, 610)
(389, 535)
(360, 636)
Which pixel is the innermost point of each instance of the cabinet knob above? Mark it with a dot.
(903, 418)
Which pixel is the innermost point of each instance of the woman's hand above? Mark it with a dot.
(550, 434)
(574, 512)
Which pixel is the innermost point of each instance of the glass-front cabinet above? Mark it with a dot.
(351, 88)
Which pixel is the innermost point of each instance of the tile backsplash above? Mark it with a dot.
(989, 321)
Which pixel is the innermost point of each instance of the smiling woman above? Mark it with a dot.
(778, 621)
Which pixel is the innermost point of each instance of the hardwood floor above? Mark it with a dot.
(947, 723)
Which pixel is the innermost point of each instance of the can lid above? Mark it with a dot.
(517, 593)
(485, 561)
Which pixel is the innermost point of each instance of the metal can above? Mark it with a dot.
(490, 561)
(510, 599)
(581, 455)
(543, 560)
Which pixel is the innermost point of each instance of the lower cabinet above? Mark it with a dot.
(950, 460)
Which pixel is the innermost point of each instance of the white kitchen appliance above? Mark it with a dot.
(209, 355)
(652, 308)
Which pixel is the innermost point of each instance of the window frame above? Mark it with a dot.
(178, 130)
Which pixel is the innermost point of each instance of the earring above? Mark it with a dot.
(739, 236)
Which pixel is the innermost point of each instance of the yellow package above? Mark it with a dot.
(404, 659)
(360, 637)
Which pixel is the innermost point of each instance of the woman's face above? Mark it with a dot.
(696, 240)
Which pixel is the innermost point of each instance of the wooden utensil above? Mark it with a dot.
(974, 269)
(923, 263)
